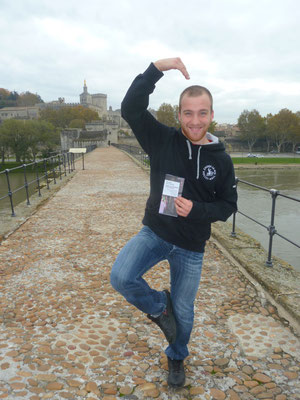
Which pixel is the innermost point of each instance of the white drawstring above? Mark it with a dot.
(190, 149)
(198, 162)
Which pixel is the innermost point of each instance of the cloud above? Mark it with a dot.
(246, 52)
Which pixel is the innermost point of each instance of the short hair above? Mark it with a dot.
(194, 91)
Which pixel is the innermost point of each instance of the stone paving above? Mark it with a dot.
(65, 333)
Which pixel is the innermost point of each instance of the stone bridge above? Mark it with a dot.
(66, 334)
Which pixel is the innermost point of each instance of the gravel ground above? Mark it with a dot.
(65, 333)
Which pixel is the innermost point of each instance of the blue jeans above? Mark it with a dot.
(140, 254)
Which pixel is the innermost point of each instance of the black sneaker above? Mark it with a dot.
(176, 377)
(166, 320)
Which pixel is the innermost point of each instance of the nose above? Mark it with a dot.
(195, 119)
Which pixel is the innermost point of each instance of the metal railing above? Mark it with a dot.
(47, 170)
(270, 228)
(138, 153)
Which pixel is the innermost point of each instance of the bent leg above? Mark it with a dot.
(140, 254)
(185, 269)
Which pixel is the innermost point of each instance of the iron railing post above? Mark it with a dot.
(26, 185)
(68, 158)
(233, 233)
(46, 173)
(59, 166)
(271, 229)
(53, 169)
(65, 164)
(10, 194)
(38, 178)
(82, 160)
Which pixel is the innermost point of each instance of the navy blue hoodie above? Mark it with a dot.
(207, 169)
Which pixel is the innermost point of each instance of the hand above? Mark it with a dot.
(172, 63)
(183, 206)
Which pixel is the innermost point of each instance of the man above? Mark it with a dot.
(190, 169)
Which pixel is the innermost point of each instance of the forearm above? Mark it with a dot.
(136, 100)
(208, 212)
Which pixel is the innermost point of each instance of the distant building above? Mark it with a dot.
(19, 113)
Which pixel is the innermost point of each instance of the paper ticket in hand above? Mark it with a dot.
(173, 186)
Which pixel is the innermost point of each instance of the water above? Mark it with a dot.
(257, 204)
(16, 181)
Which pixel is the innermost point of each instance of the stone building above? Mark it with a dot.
(19, 113)
(96, 102)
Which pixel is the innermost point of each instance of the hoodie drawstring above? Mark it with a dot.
(198, 156)
(190, 149)
(198, 162)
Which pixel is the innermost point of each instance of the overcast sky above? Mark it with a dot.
(246, 52)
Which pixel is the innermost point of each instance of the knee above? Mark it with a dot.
(118, 281)
(184, 312)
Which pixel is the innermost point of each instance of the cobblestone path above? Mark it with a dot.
(65, 334)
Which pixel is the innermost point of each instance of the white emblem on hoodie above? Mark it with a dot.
(209, 172)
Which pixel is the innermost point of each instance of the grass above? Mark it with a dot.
(266, 160)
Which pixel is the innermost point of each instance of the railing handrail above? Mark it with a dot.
(59, 164)
(134, 150)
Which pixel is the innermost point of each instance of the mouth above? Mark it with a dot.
(195, 129)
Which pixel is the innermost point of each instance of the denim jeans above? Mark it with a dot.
(140, 254)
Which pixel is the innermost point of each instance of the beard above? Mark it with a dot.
(195, 138)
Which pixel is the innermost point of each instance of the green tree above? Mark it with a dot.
(26, 138)
(7, 98)
(15, 138)
(281, 126)
(212, 127)
(62, 117)
(168, 115)
(28, 99)
(77, 123)
(294, 133)
(252, 127)
(3, 145)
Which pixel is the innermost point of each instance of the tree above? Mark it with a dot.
(3, 146)
(13, 99)
(168, 115)
(28, 99)
(15, 138)
(7, 98)
(252, 127)
(62, 117)
(77, 123)
(281, 126)
(212, 127)
(294, 134)
(26, 138)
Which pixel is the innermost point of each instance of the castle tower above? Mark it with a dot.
(85, 97)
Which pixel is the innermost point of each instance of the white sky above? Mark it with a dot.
(246, 52)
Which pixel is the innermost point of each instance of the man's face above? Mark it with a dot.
(195, 116)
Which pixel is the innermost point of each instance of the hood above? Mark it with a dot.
(214, 145)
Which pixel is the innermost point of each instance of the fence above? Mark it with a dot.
(138, 153)
(271, 228)
(47, 170)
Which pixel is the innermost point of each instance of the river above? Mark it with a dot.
(257, 204)
(16, 180)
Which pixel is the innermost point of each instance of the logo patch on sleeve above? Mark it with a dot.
(209, 172)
